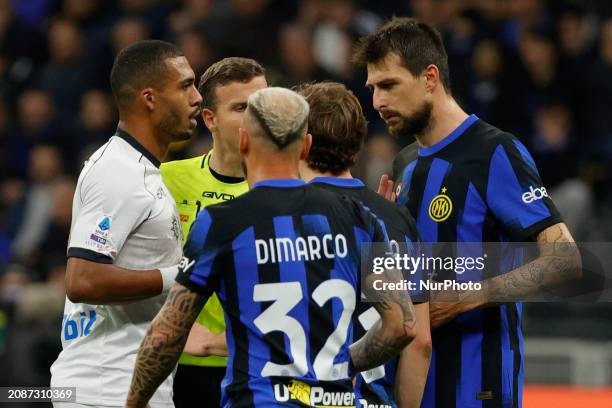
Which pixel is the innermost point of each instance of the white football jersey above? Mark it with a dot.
(122, 214)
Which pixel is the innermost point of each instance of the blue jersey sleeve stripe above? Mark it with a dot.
(199, 280)
(505, 196)
(526, 156)
(203, 270)
(198, 250)
(199, 232)
(428, 228)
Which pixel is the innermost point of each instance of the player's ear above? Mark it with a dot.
(147, 96)
(432, 77)
(306, 146)
(209, 118)
(244, 145)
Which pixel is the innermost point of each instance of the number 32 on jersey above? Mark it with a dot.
(286, 295)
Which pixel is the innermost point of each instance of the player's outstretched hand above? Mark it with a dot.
(385, 188)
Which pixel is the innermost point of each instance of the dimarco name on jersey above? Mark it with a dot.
(308, 248)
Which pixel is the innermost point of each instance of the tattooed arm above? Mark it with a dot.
(163, 344)
(392, 332)
(558, 262)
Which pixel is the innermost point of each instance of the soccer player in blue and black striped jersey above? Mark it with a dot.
(285, 260)
(467, 182)
(338, 128)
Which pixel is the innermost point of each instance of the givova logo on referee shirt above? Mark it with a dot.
(440, 207)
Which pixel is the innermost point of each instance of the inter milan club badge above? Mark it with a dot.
(440, 207)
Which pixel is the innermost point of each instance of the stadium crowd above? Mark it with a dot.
(536, 68)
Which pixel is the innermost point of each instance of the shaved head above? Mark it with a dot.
(277, 114)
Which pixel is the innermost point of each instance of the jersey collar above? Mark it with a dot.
(339, 182)
(136, 145)
(428, 151)
(217, 176)
(280, 183)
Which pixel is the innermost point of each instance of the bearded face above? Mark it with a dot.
(412, 124)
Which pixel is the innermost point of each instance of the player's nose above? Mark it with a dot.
(196, 97)
(378, 101)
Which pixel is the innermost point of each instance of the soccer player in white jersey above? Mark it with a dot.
(125, 240)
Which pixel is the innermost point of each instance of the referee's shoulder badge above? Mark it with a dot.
(440, 207)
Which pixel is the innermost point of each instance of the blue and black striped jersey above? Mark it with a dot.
(376, 387)
(285, 260)
(477, 185)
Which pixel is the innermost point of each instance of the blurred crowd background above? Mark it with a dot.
(539, 69)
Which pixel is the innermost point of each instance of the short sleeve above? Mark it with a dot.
(516, 194)
(196, 270)
(109, 210)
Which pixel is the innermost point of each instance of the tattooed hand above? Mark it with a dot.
(163, 344)
(394, 331)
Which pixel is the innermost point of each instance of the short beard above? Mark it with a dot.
(415, 124)
(170, 125)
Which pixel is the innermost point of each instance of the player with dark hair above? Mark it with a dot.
(156, 74)
(287, 273)
(125, 238)
(201, 181)
(338, 128)
(467, 182)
